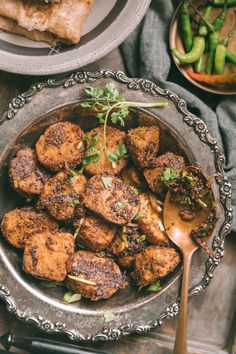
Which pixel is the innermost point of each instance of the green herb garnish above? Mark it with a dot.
(16, 184)
(107, 181)
(169, 175)
(142, 238)
(73, 204)
(119, 153)
(109, 317)
(138, 216)
(119, 205)
(70, 296)
(155, 287)
(108, 103)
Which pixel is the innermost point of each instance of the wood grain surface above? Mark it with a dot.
(212, 321)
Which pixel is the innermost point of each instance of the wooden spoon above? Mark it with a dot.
(178, 231)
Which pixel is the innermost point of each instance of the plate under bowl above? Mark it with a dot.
(135, 311)
(107, 26)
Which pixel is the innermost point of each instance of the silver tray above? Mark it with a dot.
(139, 312)
(109, 23)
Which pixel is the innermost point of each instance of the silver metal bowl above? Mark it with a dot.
(135, 311)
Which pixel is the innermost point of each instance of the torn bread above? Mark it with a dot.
(63, 21)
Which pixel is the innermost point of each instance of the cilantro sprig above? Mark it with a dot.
(108, 103)
(169, 175)
(120, 153)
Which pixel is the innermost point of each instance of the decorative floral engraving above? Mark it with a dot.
(222, 180)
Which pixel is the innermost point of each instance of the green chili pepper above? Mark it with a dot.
(220, 53)
(231, 56)
(203, 31)
(199, 64)
(214, 41)
(195, 53)
(185, 24)
(203, 28)
(222, 2)
(220, 19)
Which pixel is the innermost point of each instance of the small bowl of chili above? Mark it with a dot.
(203, 44)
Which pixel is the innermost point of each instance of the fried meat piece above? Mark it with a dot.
(46, 255)
(61, 145)
(150, 222)
(132, 177)
(127, 243)
(19, 225)
(143, 145)
(94, 277)
(109, 197)
(61, 194)
(153, 175)
(95, 141)
(154, 263)
(94, 233)
(27, 177)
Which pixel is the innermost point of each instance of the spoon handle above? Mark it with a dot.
(180, 346)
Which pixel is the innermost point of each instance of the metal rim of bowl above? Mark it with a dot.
(172, 38)
(223, 185)
(110, 38)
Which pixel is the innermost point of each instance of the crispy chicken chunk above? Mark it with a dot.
(153, 175)
(61, 194)
(26, 176)
(94, 233)
(95, 140)
(61, 145)
(143, 145)
(132, 177)
(154, 263)
(128, 242)
(46, 255)
(96, 277)
(19, 225)
(150, 222)
(109, 197)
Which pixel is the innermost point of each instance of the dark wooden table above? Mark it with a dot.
(212, 315)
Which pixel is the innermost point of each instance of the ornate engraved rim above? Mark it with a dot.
(222, 181)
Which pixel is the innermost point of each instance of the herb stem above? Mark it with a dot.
(129, 104)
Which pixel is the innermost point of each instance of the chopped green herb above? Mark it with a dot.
(73, 204)
(142, 238)
(154, 287)
(119, 153)
(78, 228)
(91, 159)
(16, 184)
(124, 238)
(109, 317)
(138, 216)
(169, 175)
(70, 296)
(80, 145)
(108, 103)
(119, 205)
(81, 280)
(107, 181)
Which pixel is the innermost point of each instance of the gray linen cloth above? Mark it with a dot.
(146, 54)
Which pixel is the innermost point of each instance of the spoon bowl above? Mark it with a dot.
(178, 231)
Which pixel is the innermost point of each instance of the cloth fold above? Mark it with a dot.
(146, 54)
